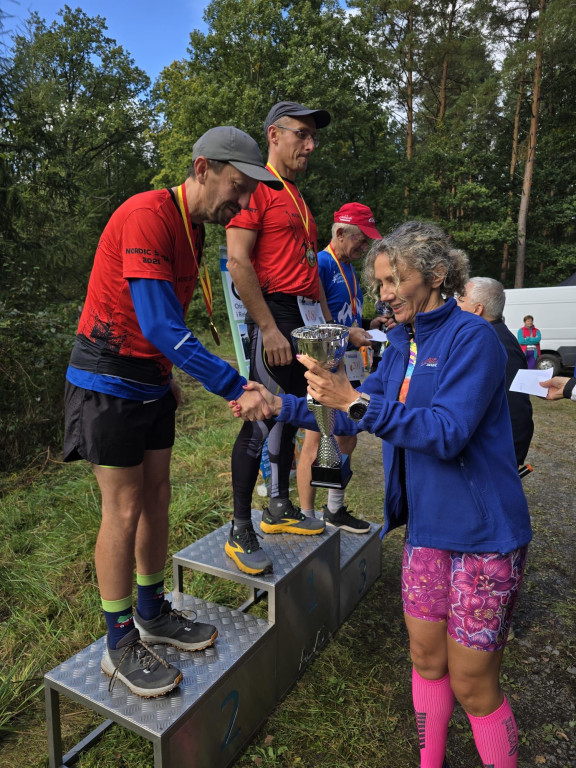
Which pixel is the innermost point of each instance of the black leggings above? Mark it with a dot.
(247, 451)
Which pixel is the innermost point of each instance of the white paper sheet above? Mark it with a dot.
(376, 334)
(527, 382)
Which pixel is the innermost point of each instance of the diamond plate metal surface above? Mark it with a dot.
(81, 676)
(352, 543)
(287, 551)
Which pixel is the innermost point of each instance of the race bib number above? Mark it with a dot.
(354, 365)
(311, 311)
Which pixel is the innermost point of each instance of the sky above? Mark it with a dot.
(154, 32)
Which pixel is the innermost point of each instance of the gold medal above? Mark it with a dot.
(310, 250)
(311, 257)
(214, 333)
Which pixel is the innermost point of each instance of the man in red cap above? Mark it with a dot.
(352, 231)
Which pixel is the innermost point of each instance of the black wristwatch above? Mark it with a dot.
(568, 387)
(357, 410)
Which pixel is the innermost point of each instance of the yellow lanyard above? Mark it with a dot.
(204, 280)
(353, 296)
(287, 188)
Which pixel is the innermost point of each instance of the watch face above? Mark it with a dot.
(358, 410)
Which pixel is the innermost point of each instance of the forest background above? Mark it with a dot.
(460, 112)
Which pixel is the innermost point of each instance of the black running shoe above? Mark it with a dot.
(345, 521)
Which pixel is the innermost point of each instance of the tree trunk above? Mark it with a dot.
(514, 158)
(409, 105)
(513, 161)
(530, 154)
(444, 81)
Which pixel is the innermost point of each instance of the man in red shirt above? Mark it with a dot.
(120, 397)
(272, 249)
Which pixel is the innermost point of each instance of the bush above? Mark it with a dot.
(35, 347)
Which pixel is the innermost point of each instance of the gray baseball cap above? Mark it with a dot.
(292, 109)
(231, 145)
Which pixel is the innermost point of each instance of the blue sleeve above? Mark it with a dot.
(443, 427)
(159, 314)
(295, 411)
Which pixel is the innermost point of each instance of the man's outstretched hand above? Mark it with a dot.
(256, 404)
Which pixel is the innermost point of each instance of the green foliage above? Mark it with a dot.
(232, 78)
(35, 350)
(423, 98)
(365, 67)
(74, 143)
(74, 128)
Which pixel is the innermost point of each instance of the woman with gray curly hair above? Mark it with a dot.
(438, 401)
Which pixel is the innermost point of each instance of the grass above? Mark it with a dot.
(352, 707)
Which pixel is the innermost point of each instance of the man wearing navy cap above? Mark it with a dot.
(353, 229)
(121, 399)
(272, 260)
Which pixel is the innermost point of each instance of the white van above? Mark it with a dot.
(554, 312)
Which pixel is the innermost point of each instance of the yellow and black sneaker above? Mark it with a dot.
(243, 547)
(283, 517)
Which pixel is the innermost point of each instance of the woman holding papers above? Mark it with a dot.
(438, 402)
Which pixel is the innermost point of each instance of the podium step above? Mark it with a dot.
(227, 692)
(287, 552)
(302, 601)
(316, 582)
(360, 567)
(229, 689)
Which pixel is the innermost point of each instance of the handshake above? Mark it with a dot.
(256, 404)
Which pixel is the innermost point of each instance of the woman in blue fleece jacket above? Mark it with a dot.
(438, 402)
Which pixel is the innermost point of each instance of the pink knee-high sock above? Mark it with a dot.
(496, 737)
(433, 704)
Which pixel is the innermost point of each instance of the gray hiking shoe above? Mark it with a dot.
(175, 628)
(345, 521)
(281, 516)
(139, 667)
(243, 547)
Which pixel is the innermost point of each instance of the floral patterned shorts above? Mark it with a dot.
(474, 593)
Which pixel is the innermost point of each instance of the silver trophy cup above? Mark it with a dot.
(327, 344)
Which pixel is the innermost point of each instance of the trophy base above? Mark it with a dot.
(331, 477)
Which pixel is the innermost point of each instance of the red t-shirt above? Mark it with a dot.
(145, 237)
(279, 256)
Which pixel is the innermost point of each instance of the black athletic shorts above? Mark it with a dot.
(113, 431)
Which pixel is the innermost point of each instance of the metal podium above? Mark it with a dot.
(230, 688)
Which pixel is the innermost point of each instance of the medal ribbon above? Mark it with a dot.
(305, 221)
(353, 296)
(204, 279)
